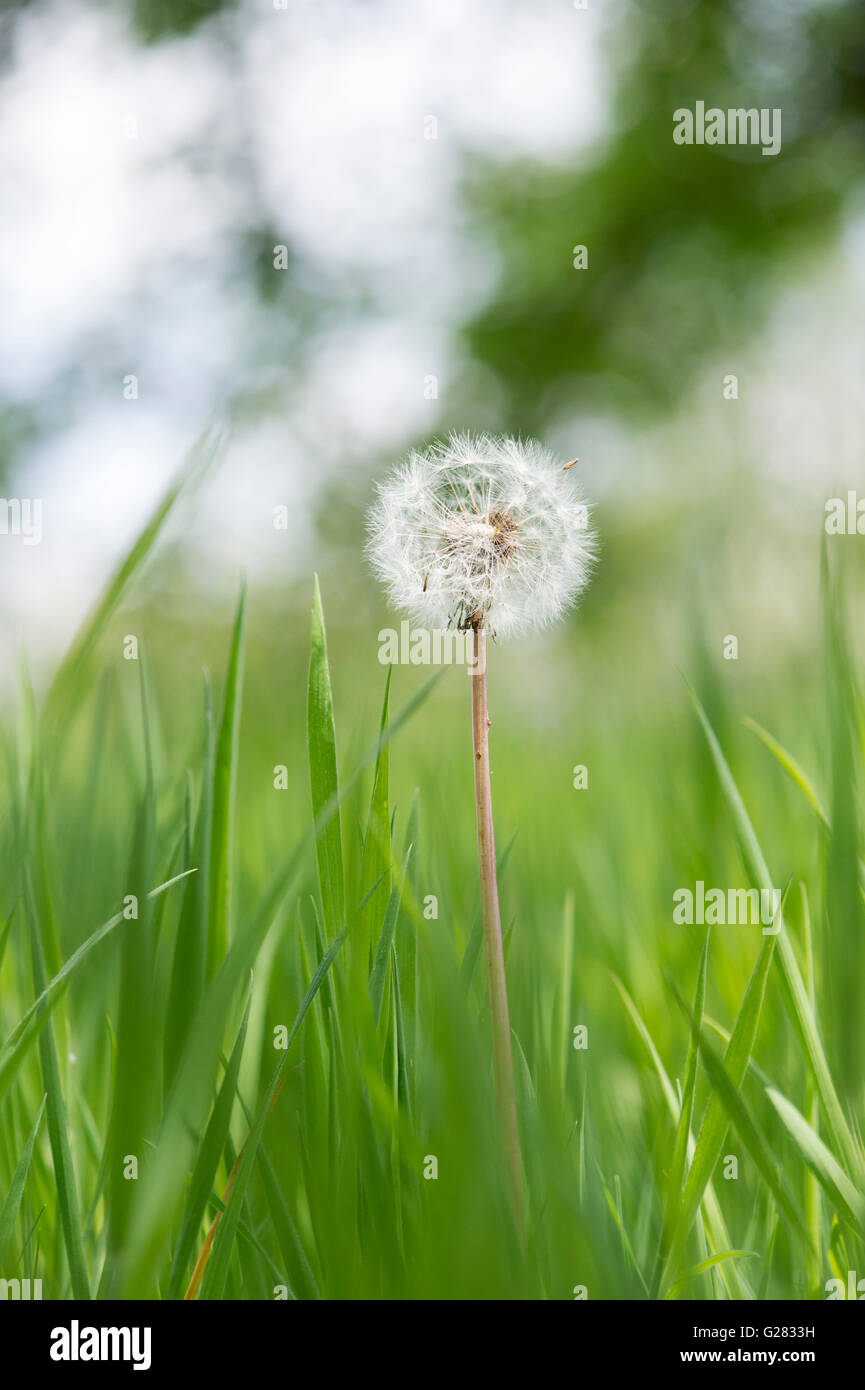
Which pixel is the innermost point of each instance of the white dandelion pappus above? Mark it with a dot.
(482, 531)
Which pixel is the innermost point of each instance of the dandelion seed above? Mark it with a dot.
(486, 535)
(482, 529)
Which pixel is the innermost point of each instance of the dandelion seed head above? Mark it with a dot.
(477, 529)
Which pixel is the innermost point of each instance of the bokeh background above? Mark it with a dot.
(421, 173)
(428, 169)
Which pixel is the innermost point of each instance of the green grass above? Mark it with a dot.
(340, 917)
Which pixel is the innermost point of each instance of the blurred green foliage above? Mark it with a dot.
(687, 245)
(161, 19)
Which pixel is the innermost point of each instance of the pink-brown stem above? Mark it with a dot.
(492, 924)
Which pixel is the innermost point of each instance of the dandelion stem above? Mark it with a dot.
(492, 924)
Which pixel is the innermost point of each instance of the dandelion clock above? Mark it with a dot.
(490, 536)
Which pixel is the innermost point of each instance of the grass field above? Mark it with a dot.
(242, 976)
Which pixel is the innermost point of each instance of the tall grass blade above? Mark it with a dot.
(323, 775)
(714, 1126)
(215, 1277)
(795, 994)
(58, 1131)
(189, 968)
(844, 1194)
(9, 1211)
(705, 1265)
(37, 1014)
(207, 1163)
(683, 1128)
(376, 864)
(224, 777)
(794, 770)
(385, 941)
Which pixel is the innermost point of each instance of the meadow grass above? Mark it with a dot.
(275, 1078)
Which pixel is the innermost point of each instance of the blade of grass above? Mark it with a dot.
(739, 1114)
(323, 774)
(31, 1022)
(222, 1241)
(4, 934)
(224, 777)
(683, 1128)
(184, 1108)
(794, 992)
(714, 1219)
(708, 1264)
(842, 952)
(216, 1273)
(614, 1207)
(207, 1162)
(297, 1264)
(9, 1212)
(813, 1213)
(382, 953)
(560, 1046)
(793, 769)
(189, 968)
(713, 1129)
(846, 1197)
(407, 944)
(376, 863)
(204, 1256)
(58, 1129)
(134, 1108)
(285, 877)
